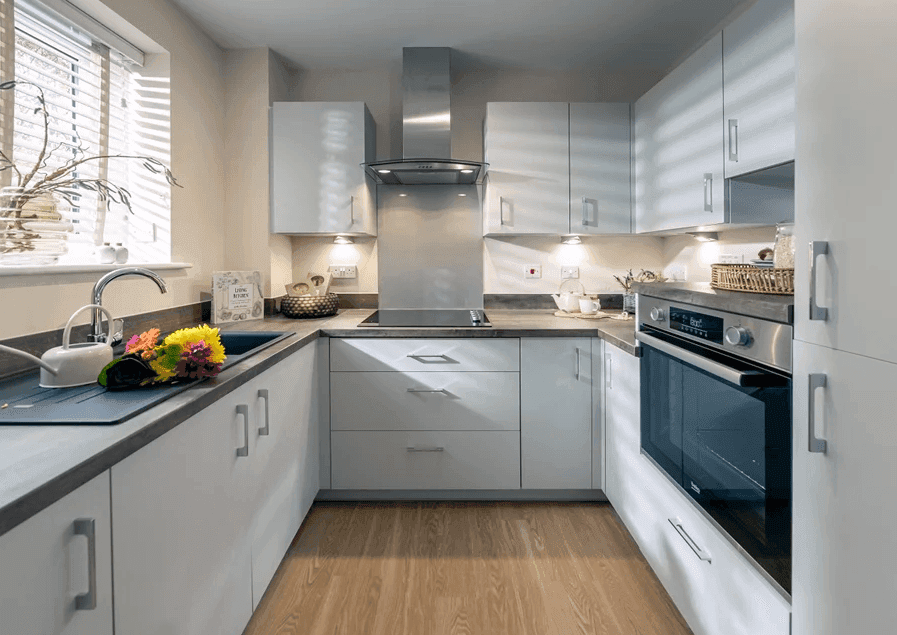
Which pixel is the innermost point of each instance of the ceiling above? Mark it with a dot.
(536, 35)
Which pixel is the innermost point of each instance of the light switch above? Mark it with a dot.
(569, 272)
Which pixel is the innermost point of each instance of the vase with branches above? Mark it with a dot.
(33, 184)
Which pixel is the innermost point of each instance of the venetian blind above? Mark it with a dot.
(93, 98)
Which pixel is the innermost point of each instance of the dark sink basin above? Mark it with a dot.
(29, 404)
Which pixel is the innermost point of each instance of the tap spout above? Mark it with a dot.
(96, 327)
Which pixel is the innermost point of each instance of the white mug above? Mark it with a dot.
(589, 306)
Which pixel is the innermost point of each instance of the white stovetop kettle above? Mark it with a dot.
(71, 364)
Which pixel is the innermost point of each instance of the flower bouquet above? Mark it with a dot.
(194, 353)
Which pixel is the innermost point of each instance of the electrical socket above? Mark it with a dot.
(532, 271)
(729, 259)
(344, 271)
(569, 272)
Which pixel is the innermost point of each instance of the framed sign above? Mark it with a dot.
(237, 296)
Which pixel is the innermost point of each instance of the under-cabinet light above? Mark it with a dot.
(571, 240)
(705, 237)
(343, 240)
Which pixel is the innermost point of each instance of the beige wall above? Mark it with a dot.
(38, 303)
(684, 253)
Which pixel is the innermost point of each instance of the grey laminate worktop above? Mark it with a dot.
(778, 308)
(41, 464)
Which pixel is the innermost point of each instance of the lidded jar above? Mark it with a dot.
(783, 255)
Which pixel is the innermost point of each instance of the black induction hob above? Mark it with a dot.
(438, 318)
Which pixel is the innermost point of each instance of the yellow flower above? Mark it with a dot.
(201, 333)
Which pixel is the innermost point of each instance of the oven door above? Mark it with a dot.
(720, 427)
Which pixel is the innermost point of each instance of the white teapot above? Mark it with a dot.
(569, 300)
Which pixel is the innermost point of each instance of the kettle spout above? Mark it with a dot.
(557, 301)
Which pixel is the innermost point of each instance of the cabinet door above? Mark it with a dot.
(555, 413)
(845, 185)
(527, 147)
(622, 412)
(600, 169)
(844, 498)
(45, 564)
(758, 76)
(679, 145)
(317, 182)
(599, 432)
(181, 536)
(285, 461)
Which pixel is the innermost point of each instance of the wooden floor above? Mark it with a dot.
(464, 568)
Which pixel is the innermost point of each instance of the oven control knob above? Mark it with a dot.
(657, 314)
(738, 336)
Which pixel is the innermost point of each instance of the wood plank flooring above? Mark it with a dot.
(462, 568)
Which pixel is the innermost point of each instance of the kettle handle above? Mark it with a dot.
(68, 325)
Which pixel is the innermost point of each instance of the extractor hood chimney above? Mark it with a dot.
(426, 126)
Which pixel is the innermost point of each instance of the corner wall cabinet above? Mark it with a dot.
(56, 567)
(317, 183)
(232, 485)
(557, 168)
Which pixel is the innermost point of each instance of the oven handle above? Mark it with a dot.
(749, 378)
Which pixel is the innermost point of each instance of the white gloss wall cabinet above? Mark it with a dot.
(845, 185)
(527, 147)
(679, 167)
(317, 183)
(204, 513)
(758, 77)
(46, 564)
(845, 546)
(600, 168)
(556, 413)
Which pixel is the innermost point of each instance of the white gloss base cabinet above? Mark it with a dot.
(845, 547)
(556, 413)
(45, 564)
(715, 589)
(317, 182)
(200, 529)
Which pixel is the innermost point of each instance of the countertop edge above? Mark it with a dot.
(167, 415)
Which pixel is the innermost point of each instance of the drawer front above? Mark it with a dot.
(413, 460)
(424, 355)
(425, 401)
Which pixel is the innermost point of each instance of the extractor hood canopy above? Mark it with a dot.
(426, 126)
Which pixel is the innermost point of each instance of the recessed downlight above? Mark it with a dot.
(403, 195)
(384, 171)
(462, 194)
(466, 171)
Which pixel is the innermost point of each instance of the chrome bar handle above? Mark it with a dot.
(815, 444)
(585, 212)
(733, 137)
(411, 448)
(243, 409)
(578, 364)
(501, 210)
(608, 366)
(87, 527)
(263, 432)
(708, 192)
(817, 248)
(351, 210)
(422, 359)
(700, 553)
(427, 390)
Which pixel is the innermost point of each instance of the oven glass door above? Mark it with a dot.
(727, 445)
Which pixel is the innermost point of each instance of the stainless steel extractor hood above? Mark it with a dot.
(426, 126)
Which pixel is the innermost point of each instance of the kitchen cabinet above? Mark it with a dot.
(622, 408)
(845, 186)
(844, 504)
(204, 513)
(758, 78)
(679, 166)
(46, 584)
(600, 168)
(527, 147)
(557, 168)
(317, 183)
(599, 436)
(556, 413)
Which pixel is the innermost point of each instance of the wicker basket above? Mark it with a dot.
(309, 306)
(752, 279)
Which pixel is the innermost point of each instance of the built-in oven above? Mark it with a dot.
(716, 419)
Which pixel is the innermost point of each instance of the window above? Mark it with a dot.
(100, 103)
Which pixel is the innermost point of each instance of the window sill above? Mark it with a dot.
(25, 270)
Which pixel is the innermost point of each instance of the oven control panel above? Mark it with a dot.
(701, 325)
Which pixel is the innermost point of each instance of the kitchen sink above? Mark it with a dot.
(29, 404)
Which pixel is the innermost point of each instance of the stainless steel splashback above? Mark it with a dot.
(430, 247)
